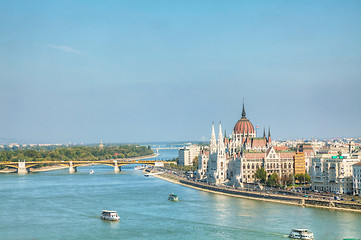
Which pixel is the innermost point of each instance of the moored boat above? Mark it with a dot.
(301, 234)
(173, 197)
(110, 215)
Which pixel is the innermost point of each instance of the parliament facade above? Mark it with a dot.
(235, 160)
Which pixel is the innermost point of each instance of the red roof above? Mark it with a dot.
(260, 142)
(287, 154)
(280, 148)
(254, 155)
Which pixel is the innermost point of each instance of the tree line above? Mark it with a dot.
(80, 153)
(273, 180)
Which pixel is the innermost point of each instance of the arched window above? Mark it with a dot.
(248, 167)
(285, 165)
(252, 166)
(289, 165)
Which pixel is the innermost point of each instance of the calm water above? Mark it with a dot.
(59, 205)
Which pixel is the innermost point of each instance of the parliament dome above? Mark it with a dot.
(243, 125)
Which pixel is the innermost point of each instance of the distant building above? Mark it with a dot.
(356, 178)
(101, 146)
(187, 154)
(309, 152)
(333, 173)
(300, 166)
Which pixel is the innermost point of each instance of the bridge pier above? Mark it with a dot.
(117, 168)
(72, 169)
(22, 168)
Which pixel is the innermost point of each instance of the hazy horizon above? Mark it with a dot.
(151, 71)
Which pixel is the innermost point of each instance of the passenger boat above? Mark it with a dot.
(173, 197)
(301, 234)
(110, 215)
(91, 171)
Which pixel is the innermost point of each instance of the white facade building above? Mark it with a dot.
(356, 178)
(333, 173)
(187, 154)
(235, 160)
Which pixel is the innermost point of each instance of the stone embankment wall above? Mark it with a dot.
(291, 200)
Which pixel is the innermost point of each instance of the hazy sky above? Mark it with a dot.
(132, 71)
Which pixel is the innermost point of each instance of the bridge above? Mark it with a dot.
(23, 167)
(164, 148)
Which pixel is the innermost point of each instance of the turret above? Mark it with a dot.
(213, 145)
(220, 139)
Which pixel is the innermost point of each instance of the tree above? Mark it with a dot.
(302, 178)
(261, 174)
(272, 180)
(195, 162)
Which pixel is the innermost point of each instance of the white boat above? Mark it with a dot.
(301, 234)
(91, 171)
(173, 197)
(146, 175)
(110, 215)
(139, 167)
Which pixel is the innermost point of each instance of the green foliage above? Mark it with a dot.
(287, 181)
(273, 180)
(261, 174)
(84, 153)
(195, 162)
(302, 178)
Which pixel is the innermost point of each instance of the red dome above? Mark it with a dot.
(243, 126)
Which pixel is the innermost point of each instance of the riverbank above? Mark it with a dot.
(261, 196)
(58, 167)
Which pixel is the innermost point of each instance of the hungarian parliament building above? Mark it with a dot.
(235, 160)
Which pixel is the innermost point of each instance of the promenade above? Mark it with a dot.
(277, 196)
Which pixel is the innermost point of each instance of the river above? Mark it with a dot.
(59, 205)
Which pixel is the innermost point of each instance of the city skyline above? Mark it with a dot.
(135, 71)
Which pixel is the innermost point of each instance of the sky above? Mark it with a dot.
(140, 71)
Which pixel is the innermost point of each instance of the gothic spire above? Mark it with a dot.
(220, 140)
(264, 132)
(243, 111)
(213, 145)
(220, 135)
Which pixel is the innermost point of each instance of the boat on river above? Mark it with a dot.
(301, 234)
(91, 171)
(173, 197)
(139, 167)
(110, 215)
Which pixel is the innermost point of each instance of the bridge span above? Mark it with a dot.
(23, 167)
